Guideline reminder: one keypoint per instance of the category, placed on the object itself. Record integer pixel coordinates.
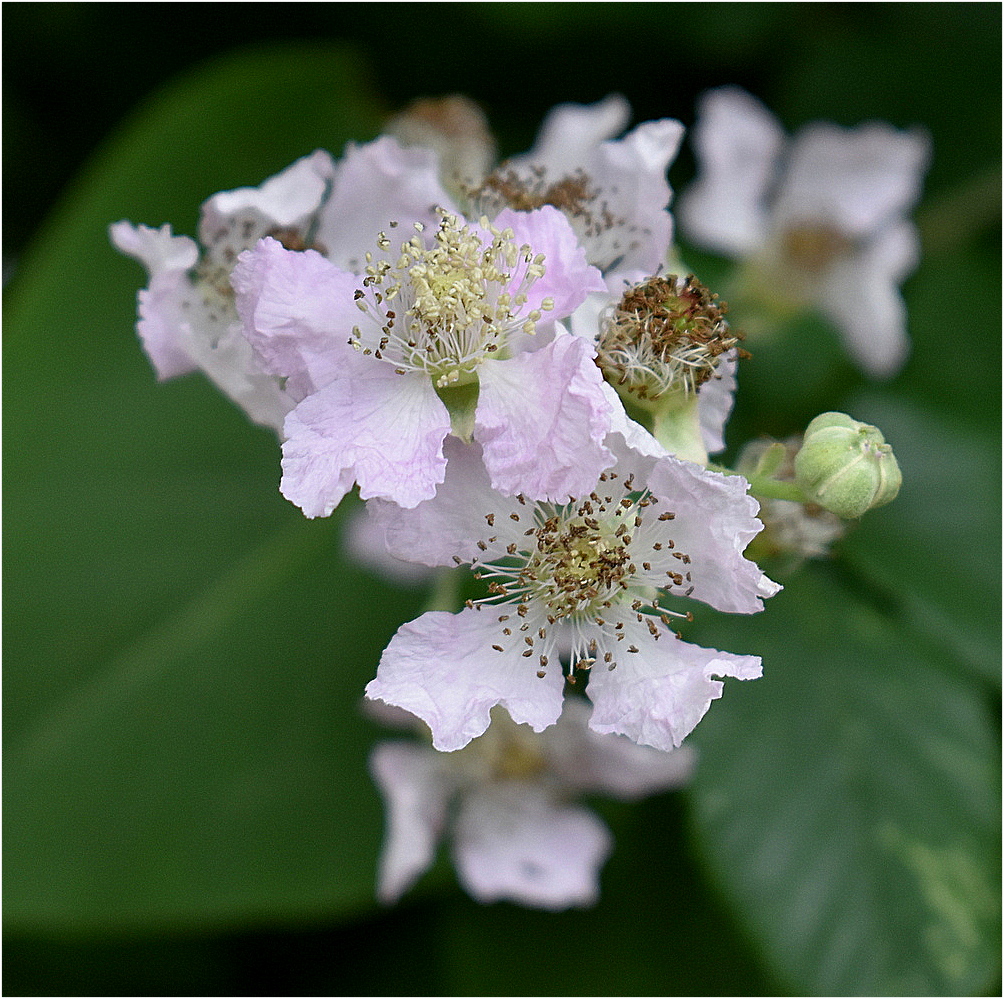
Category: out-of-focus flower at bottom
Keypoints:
(507, 804)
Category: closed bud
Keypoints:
(846, 466)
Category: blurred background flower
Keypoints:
(187, 804)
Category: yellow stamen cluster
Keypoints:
(446, 307)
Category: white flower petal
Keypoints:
(631, 173)
(738, 143)
(286, 200)
(165, 323)
(570, 133)
(568, 278)
(416, 790)
(513, 842)
(714, 522)
(453, 521)
(862, 297)
(715, 400)
(854, 179)
(442, 668)
(657, 695)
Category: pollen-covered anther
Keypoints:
(458, 298)
(666, 334)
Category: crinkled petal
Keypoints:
(591, 762)
(165, 323)
(570, 134)
(450, 524)
(542, 419)
(634, 435)
(286, 200)
(714, 522)
(862, 297)
(658, 695)
(856, 179)
(442, 668)
(631, 173)
(738, 144)
(379, 187)
(513, 841)
(298, 313)
(568, 276)
(375, 427)
(416, 791)
(715, 400)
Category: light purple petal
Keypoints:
(570, 134)
(464, 510)
(298, 313)
(373, 426)
(512, 841)
(738, 145)
(442, 668)
(714, 522)
(590, 762)
(168, 307)
(568, 277)
(856, 179)
(658, 695)
(379, 184)
(286, 200)
(542, 419)
(416, 791)
(861, 295)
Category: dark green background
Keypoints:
(187, 809)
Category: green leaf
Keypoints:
(848, 802)
(933, 550)
(185, 652)
(657, 929)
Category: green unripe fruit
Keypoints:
(845, 466)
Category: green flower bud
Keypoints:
(846, 466)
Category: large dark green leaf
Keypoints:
(185, 653)
(847, 802)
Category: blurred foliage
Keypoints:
(188, 809)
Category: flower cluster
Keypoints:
(510, 366)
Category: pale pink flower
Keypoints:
(820, 219)
(187, 320)
(592, 577)
(449, 333)
(507, 804)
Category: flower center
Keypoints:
(444, 308)
(813, 248)
(589, 566)
(665, 335)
